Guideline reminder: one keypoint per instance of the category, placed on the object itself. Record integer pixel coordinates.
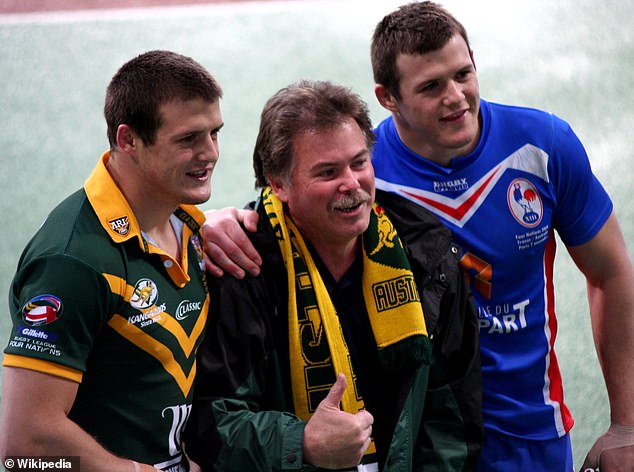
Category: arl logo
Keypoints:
(120, 225)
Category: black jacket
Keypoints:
(243, 364)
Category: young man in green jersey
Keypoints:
(109, 301)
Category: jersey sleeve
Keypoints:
(583, 205)
(57, 306)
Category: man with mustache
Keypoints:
(356, 345)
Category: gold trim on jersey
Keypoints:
(43, 366)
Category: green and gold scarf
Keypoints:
(318, 349)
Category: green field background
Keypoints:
(574, 58)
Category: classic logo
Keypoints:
(525, 203)
(120, 225)
(145, 294)
(185, 307)
(43, 309)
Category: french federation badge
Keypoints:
(525, 203)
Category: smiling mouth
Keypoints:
(348, 209)
(454, 116)
(199, 174)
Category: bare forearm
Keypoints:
(612, 309)
(56, 437)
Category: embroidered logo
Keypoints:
(120, 225)
(145, 294)
(43, 309)
(525, 203)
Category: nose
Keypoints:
(453, 93)
(349, 180)
(210, 148)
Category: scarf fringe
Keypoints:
(406, 355)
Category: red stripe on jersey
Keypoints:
(556, 391)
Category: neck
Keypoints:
(165, 237)
(151, 213)
(338, 258)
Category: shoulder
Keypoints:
(410, 219)
(522, 116)
(72, 236)
(249, 294)
(428, 241)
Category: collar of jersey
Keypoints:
(114, 212)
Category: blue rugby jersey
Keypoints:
(528, 177)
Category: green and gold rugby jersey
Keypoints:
(94, 302)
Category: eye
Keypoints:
(326, 173)
(429, 87)
(464, 74)
(360, 163)
(188, 138)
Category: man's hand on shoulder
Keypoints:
(227, 247)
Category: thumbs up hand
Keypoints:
(334, 439)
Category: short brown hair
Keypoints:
(415, 28)
(139, 88)
(303, 106)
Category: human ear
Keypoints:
(279, 189)
(385, 98)
(126, 139)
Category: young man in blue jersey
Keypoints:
(110, 299)
(473, 162)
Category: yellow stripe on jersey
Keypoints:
(157, 350)
(40, 365)
(154, 347)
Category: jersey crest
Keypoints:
(525, 203)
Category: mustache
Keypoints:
(360, 197)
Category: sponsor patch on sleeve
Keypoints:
(42, 310)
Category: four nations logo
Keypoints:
(43, 309)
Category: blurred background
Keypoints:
(574, 58)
